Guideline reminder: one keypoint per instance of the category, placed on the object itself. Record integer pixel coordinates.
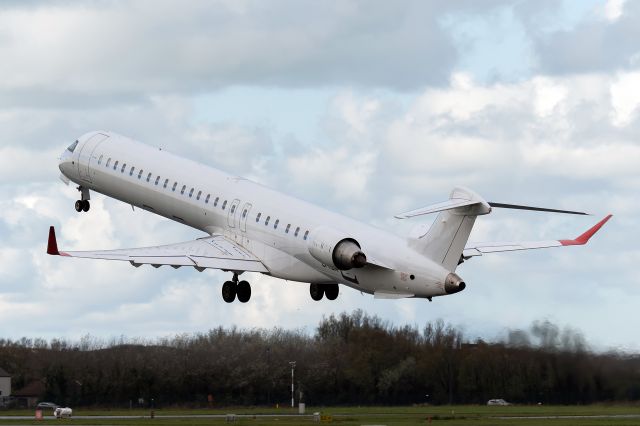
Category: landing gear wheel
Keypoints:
(79, 206)
(229, 291)
(331, 291)
(316, 291)
(85, 205)
(244, 291)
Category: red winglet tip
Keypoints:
(584, 238)
(52, 245)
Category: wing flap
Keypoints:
(215, 252)
(229, 264)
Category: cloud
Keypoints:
(603, 41)
(394, 125)
(71, 54)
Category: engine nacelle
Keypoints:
(335, 248)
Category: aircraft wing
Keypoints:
(216, 251)
(478, 249)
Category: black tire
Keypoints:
(229, 291)
(79, 206)
(316, 291)
(331, 291)
(244, 291)
(85, 205)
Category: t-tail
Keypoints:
(445, 241)
(446, 238)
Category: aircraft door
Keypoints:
(86, 155)
(233, 212)
(244, 215)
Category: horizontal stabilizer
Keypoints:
(452, 203)
(478, 249)
(535, 209)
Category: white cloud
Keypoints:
(613, 9)
(64, 50)
(625, 97)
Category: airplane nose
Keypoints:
(65, 157)
(65, 161)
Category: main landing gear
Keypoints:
(231, 289)
(329, 290)
(82, 205)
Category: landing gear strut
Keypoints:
(82, 205)
(329, 290)
(231, 289)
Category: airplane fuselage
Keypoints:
(276, 228)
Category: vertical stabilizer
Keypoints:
(446, 238)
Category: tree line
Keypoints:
(350, 359)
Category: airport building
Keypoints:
(5, 387)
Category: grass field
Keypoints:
(390, 416)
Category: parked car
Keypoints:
(50, 405)
(498, 402)
(63, 413)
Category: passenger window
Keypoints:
(108, 162)
(306, 234)
(206, 200)
(166, 182)
(215, 203)
(100, 160)
(175, 184)
(157, 180)
(124, 166)
(149, 177)
(258, 217)
(266, 222)
(244, 213)
(275, 225)
(199, 194)
(183, 188)
(286, 231)
(131, 171)
(224, 204)
(140, 173)
(191, 193)
(115, 165)
(295, 234)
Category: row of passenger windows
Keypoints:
(276, 223)
(206, 200)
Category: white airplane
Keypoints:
(251, 228)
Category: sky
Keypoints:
(368, 108)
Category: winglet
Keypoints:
(52, 245)
(584, 238)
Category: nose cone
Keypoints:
(65, 162)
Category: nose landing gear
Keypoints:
(82, 205)
(231, 289)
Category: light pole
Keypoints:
(293, 367)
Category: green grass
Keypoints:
(391, 416)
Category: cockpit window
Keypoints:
(72, 147)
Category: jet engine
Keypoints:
(334, 248)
